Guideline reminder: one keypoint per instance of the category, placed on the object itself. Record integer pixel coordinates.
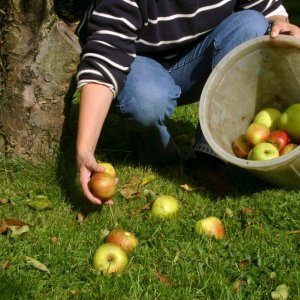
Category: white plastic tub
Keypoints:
(262, 72)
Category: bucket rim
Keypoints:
(245, 48)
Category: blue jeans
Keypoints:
(153, 91)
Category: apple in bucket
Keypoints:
(263, 151)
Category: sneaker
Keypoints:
(206, 171)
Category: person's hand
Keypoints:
(87, 165)
(283, 27)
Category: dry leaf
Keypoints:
(5, 223)
(293, 232)
(188, 187)
(40, 202)
(80, 217)
(3, 201)
(236, 286)
(244, 263)
(16, 231)
(129, 193)
(54, 239)
(163, 279)
(247, 210)
(281, 292)
(144, 208)
(148, 179)
(4, 264)
(38, 265)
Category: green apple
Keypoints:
(263, 151)
(269, 117)
(241, 147)
(164, 206)
(110, 258)
(256, 133)
(290, 122)
(210, 226)
(123, 238)
(108, 168)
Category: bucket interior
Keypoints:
(260, 73)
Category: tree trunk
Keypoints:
(38, 60)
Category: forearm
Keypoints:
(95, 102)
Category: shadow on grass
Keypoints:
(115, 147)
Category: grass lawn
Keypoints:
(260, 250)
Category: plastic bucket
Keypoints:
(260, 73)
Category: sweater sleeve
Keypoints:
(266, 7)
(107, 35)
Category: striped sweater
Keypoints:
(113, 32)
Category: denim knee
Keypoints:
(251, 24)
(149, 96)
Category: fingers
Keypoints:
(284, 28)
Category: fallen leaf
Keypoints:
(40, 202)
(129, 193)
(237, 285)
(5, 223)
(145, 207)
(54, 239)
(244, 263)
(189, 188)
(163, 279)
(36, 264)
(16, 231)
(247, 210)
(4, 264)
(3, 201)
(147, 179)
(281, 292)
(80, 217)
(293, 232)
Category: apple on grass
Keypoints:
(257, 133)
(210, 226)
(110, 258)
(164, 206)
(102, 185)
(268, 116)
(125, 239)
(290, 122)
(241, 147)
(288, 148)
(279, 138)
(263, 151)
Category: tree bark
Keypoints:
(38, 60)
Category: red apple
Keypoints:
(240, 146)
(102, 185)
(123, 238)
(279, 138)
(288, 148)
(110, 258)
(210, 226)
(257, 133)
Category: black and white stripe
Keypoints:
(112, 32)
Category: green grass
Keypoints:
(257, 248)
